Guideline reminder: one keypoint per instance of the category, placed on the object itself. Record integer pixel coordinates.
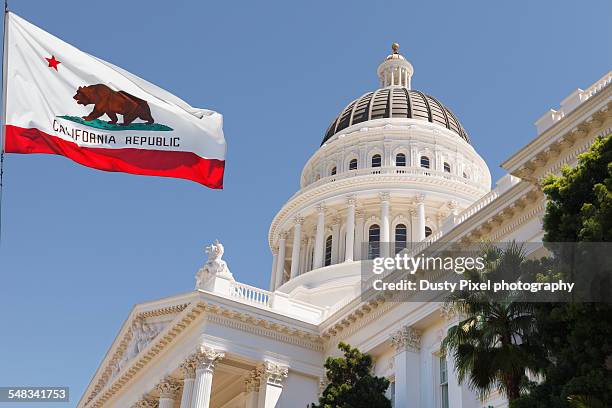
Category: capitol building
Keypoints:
(395, 165)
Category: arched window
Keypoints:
(400, 160)
(374, 241)
(447, 168)
(376, 160)
(353, 164)
(401, 237)
(425, 162)
(333, 171)
(328, 250)
(427, 231)
(465, 175)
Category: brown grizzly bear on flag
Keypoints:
(109, 102)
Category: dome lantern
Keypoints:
(395, 70)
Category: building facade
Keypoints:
(395, 165)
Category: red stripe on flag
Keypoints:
(185, 165)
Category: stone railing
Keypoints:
(598, 86)
(250, 294)
(394, 170)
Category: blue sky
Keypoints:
(80, 247)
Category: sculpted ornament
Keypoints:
(142, 334)
(168, 388)
(406, 338)
(207, 357)
(146, 402)
(189, 366)
(215, 267)
(273, 373)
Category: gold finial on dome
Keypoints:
(395, 48)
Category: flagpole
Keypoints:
(3, 119)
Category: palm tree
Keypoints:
(491, 344)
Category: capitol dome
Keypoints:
(395, 166)
(395, 102)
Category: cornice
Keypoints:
(582, 114)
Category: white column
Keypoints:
(360, 220)
(273, 273)
(459, 396)
(188, 367)
(413, 226)
(280, 261)
(168, 392)
(420, 224)
(385, 235)
(350, 229)
(319, 238)
(335, 240)
(252, 383)
(295, 251)
(272, 376)
(303, 255)
(206, 358)
(407, 343)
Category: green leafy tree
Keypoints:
(491, 345)
(351, 383)
(577, 336)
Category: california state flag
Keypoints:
(60, 100)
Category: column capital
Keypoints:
(450, 312)
(420, 198)
(207, 357)
(336, 220)
(304, 241)
(321, 208)
(252, 381)
(188, 366)
(452, 205)
(168, 388)
(146, 402)
(283, 235)
(407, 338)
(274, 250)
(360, 213)
(384, 196)
(351, 200)
(298, 220)
(273, 373)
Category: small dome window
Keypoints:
(425, 162)
(427, 231)
(328, 250)
(401, 237)
(447, 167)
(374, 241)
(376, 160)
(353, 164)
(333, 171)
(400, 160)
(465, 175)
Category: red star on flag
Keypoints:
(53, 63)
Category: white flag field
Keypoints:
(63, 101)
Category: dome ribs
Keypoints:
(395, 102)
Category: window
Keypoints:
(427, 231)
(376, 160)
(401, 235)
(400, 160)
(374, 241)
(333, 171)
(328, 250)
(353, 164)
(465, 175)
(443, 382)
(447, 168)
(425, 162)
